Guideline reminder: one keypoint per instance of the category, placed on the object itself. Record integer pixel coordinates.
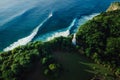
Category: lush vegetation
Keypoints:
(15, 64)
(99, 39)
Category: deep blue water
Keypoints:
(27, 20)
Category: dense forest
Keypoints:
(98, 39)
(15, 64)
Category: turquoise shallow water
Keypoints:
(19, 20)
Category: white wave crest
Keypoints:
(25, 40)
(74, 39)
(83, 19)
(72, 24)
(58, 34)
(64, 32)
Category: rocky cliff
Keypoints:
(114, 6)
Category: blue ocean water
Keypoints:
(31, 20)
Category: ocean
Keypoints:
(23, 21)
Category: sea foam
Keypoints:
(65, 32)
(51, 35)
(81, 21)
(62, 32)
(25, 40)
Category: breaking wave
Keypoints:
(63, 32)
(25, 40)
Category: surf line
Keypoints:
(63, 32)
(25, 40)
(81, 21)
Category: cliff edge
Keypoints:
(114, 6)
